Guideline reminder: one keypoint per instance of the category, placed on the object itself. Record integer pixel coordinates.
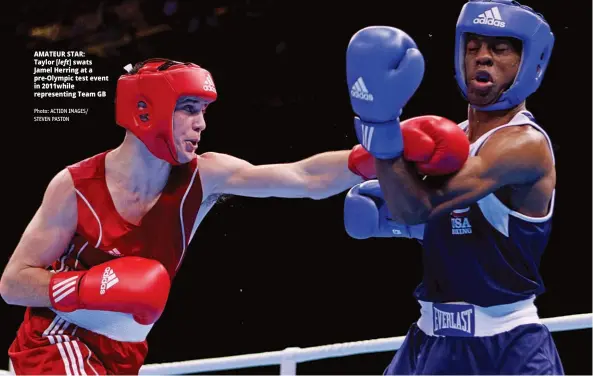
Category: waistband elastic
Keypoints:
(460, 319)
(115, 325)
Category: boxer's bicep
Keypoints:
(225, 174)
(50, 230)
(270, 180)
(473, 182)
(502, 161)
(25, 279)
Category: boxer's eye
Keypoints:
(191, 109)
(501, 47)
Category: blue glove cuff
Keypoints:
(382, 140)
(366, 215)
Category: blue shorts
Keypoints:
(525, 350)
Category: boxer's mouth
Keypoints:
(482, 82)
(192, 144)
(483, 76)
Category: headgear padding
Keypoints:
(146, 98)
(506, 18)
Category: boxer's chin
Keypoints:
(482, 97)
(185, 156)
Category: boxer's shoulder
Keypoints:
(88, 167)
(518, 151)
(520, 139)
(213, 159)
(216, 168)
(212, 164)
(62, 183)
(59, 199)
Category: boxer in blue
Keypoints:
(485, 227)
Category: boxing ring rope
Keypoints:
(291, 356)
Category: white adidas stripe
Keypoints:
(50, 327)
(65, 358)
(496, 13)
(68, 280)
(68, 349)
(61, 294)
(362, 85)
(367, 136)
(75, 364)
(79, 356)
(493, 13)
(359, 85)
(61, 290)
(112, 279)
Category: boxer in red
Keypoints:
(95, 264)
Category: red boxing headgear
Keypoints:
(146, 98)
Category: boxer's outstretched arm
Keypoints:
(24, 280)
(317, 177)
(514, 155)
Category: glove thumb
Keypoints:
(418, 146)
(370, 188)
(410, 71)
(360, 214)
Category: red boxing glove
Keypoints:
(362, 163)
(133, 285)
(437, 145)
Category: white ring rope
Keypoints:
(289, 357)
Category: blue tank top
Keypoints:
(485, 254)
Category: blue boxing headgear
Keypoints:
(507, 18)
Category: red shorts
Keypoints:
(47, 344)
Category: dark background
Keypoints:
(280, 74)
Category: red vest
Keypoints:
(102, 234)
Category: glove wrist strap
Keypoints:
(382, 140)
(63, 291)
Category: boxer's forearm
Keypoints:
(26, 287)
(406, 195)
(327, 174)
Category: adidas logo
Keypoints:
(64, 288)
(490, 17)
(115, 252)
(360, 91)
(367, 135)
(109, 279)
(209, 84)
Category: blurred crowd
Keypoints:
(112, 27)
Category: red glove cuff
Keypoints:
(63, 290)
(362, 163)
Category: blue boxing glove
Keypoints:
(384, 68)
(366, 215)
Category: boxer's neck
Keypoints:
(481, 122)
(132, 167)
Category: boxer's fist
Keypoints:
(133, 285)
(384, 68)
(366, 215)
(437, 145)
(362, 163)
